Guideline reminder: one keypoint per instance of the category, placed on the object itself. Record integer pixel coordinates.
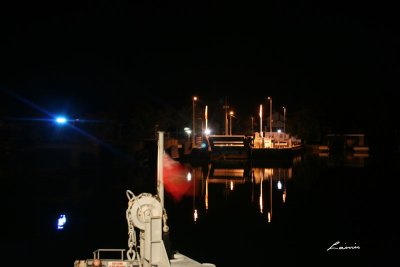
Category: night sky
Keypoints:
(338, 59)
(130, 66)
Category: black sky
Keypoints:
(338, 57)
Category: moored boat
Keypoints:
(228, 147)
(276, 145)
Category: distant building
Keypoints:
(347, 142)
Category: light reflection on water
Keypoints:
(266, 181)
(229, 176)
(264, 209)
(273, 209)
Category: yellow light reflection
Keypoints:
(261, 196)
(231, 185)
(269, 172)
(206, 196)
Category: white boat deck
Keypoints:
(182, 260)
(179, 260)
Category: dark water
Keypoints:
(243, 218)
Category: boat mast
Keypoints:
(270, 116)
(261, 132)
(160, 167)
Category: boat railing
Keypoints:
(96, 253)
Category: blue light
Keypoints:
(62, 219)
(61, 120)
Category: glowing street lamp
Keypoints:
(284, 119)
(261, 132)
(207, 131)
(230, 122)
(61, 120)
(206, 116)
(270, 115)
(193, 130)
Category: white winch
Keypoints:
(146, 213)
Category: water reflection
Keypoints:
(273, 178)
(348, 159)
(295, 198)
(262, 184)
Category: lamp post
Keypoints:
(270, 116)
(193, 130)
(206, 116)
(261, 132)
(284, 120)
(230, 122)
(225, 107)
